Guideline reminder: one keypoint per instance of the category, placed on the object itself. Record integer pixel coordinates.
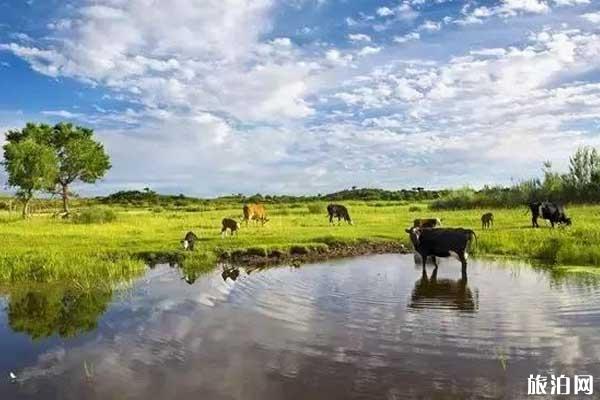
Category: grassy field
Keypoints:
(48, 249)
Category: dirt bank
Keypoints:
(303, 254)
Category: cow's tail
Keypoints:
(472, 238)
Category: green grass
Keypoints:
(46, 249)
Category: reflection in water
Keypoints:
(43, 312)
(431, 292)
(349, 329)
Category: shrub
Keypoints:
(316, 208)
(414, 209)
(95, 216)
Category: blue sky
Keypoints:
(211, 97)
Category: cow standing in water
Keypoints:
(555, 213)
(442, 242)
(338, 211)
(255, 212)
(487, 220)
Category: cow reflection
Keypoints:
(431, 292)
(231, 273)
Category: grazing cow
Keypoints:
(231, 273)
(231, 224)
(427, 222)
(442, 242)
(338, 211)
(188, 241)
(555, 213)
(487, 220)
(431, 292)
(255, 212)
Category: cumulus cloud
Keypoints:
(179, 54)
(217, 100)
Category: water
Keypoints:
(365, 328)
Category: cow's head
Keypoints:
(185, 244)
(567, 221)
(415, 235)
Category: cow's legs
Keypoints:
(435, 262)
(424, 259)
(463, 262)
(534, 222)
(552, 223)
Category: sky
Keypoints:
(213, 97)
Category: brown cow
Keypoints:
(427, 222)
(255, 212)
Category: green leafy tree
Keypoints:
(31, 167)
(78, 155)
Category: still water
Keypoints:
(366, 328)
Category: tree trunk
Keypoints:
(65, 199)
(26, 207)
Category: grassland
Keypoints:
(46, 249)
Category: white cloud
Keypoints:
(430, 26)
(407, 38)
(368, 50)
(592, 17)
(384, 11)
(154, 55)
(359, 37)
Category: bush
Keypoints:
(414, 209)
(95, 216)
(316, 208)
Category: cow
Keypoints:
(442, 242)
(427, 222)
(338, 211)
(553, 212)
(188, 241)
(255, 212)
(487, 220)
(231, 224)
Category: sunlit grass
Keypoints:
(48, 249)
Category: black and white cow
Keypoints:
(442, 242)
(555, 213)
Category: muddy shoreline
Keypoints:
(255, 257)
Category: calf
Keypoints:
(555, 213)
(188, 241)
(427, 222)
(487, 220)
(231, 224)
(338, 211)
(442, 242)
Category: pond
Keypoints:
(367, 328)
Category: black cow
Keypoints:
(553, 212)
(487, 220)
(338, 211)
(442, 242)
(188, 241)
(231, 224)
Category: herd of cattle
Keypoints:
(428, 237)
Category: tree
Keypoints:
(78, 155)
(584, 169)
(31, 167)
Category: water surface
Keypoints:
(364, 328)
